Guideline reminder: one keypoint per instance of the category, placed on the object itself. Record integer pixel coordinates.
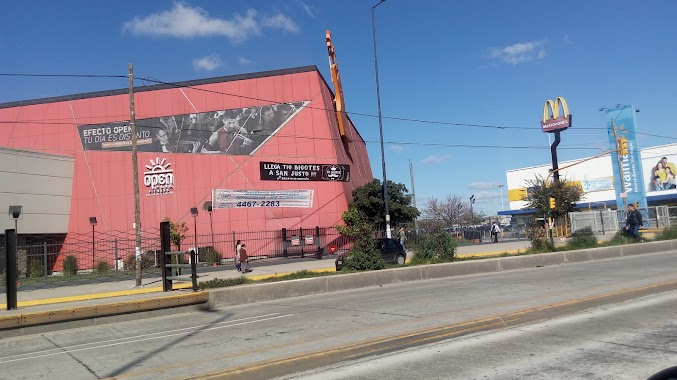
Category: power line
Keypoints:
(63, 75)
(395, 118)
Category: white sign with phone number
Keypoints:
(226, 198)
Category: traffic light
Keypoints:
(623, 146)
(552, 203)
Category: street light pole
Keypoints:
(380, 124)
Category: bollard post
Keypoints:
(193, 269)
(10, 254)
(165, 246)
(284, 242)
(318, 242)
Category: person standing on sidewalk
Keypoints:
(495, 230)
(632, 221)
(244, 259)
(238, 246)
(403, 237)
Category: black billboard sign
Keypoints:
(274, 171)
(239, 131)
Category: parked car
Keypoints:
(391, 252)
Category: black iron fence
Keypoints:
(114, 253)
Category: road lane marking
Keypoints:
(67, 350)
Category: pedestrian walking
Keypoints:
(633, 221)
(403, 237)
(238, 246)
(495, 230)
(244, 259)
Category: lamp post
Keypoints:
(92, 222)
(207, 206)
(16, 213)
(472, 216)
(380, 124)
(194, 213)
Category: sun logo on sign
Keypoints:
(159, 177)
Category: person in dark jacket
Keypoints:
(633, 221)
(244, 259)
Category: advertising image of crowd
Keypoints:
(663, 176)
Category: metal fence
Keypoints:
(111, 256)
(611, 221)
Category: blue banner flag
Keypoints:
(628, 181)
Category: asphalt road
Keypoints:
(281, 337)
(631, 340)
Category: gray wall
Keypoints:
(42, 183)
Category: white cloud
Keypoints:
(243, 61)
(567, 40)
(280, 21)
(396, 148)
(520, 52)
(435, 159)
(483, 185)
(487, 195)
(208, 63)
(306, 8)
(183, 21)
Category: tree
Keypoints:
(565, 192)
(449, 210)
(368, 202)
(177, 232)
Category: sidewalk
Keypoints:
(105, 292)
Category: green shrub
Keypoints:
(437, 245)
(364, 255)
(102, 267)
(211, 256)
(667, 234)
(70, 266)
(582, 239)
(147, 261)
(541, 245)
(35, 269)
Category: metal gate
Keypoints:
(599, 221)
(662, 216)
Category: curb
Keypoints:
(90, 313)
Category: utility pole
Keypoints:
(413, 193)
(135, 171)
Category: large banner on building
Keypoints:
(239, 131)
(226, 198)
(660, 169)
(275, 171)
(621, 124)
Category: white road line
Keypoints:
(65, 350)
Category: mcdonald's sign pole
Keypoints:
(553, 122)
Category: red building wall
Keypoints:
(102, 182)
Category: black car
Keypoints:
(391, 252)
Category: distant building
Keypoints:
(264, 147)
(596, 178)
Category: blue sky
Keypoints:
(484, 63)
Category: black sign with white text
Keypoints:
(274, 171)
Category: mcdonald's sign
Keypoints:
(555, 122)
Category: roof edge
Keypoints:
(194, 82)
